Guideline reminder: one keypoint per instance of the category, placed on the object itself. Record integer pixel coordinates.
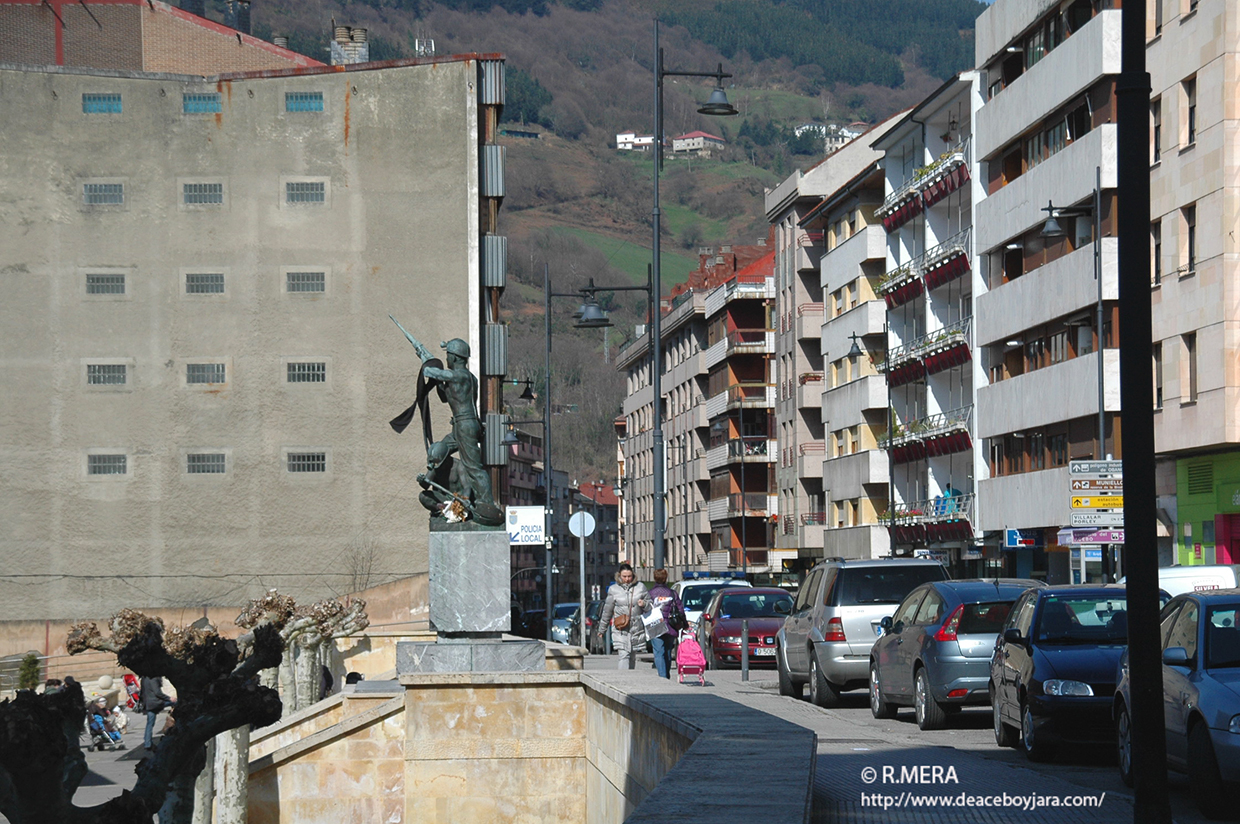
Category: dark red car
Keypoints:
(721, 625)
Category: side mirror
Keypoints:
(1013, 636)
(1175, 657)
(886, 623)
(707, 618)
(783, 607)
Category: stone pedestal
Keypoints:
(469, 609)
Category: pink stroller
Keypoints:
(689, 658)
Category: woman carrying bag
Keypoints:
(626, 600)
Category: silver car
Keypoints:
(826, 640)
(1201, 697)
(934, 653)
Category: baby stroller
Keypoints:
(99, 723)
(689, 658)
(133, 690)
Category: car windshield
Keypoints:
(696, 597)
(1083, 619)
(1223, 636)
(983, 619)
(753, 604)
(884, 584)
(565, 610)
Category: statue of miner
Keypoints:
(456, 486)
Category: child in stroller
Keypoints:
(104, 731)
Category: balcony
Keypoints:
(809, 321)
(748, 504)
(717, 456)
(945, 518)
(750, 449)
(809, 251)
(809, 459)
(902, 284)
(749, 394)
(809, 390)
(811, 530)
(927, 186)
(943, 433)
(750, 342)
(947, 261)
(939, 350)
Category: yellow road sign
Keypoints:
(1098, 502)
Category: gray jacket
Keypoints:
(622, 600)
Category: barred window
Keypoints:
(105, 284)
(307, 462)
(303, 101)
(101, 104)
(208, 103)
(306, 281)
(103, 194)
(106, 374)
(193, 194)
(207, 463)
(204, 373)
(204, 283)
(305, 192)
(307, 372)
(107, 464)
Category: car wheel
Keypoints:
(1035, 748)
(878, 707)
(787, 686)
(1123, 742)
(1005, 734)
(930, 715)
(1203, 777)
(821, 691)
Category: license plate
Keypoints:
(764, 651)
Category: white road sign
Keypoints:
(525, 525)
(1097, 517)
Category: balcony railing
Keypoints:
(751, 446)
(745, 503)
(943, 433)
(751, 340)
(813, 518)
(927, 186)
(747, 392)
(941, 508)
(812, 448)
(947, 261)
(939, 350)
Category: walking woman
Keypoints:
(627, 600)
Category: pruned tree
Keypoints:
(41, 762)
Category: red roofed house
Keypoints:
(699, 142)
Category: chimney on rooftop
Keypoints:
(349, 45)
(198, 7)
(280, 40)
(237, 15)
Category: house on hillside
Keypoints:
(699, 142)
(632, 142)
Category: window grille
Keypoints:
(105, 284)
(204, 373)
(202, 193)
(101, 104)
(106, 374)
(307, 462)
(107, 464)
(103, 194)
(210, 463)
(204, 283)
(303, 101)
(208, 103)
(307, 372)
(306, 281)
(305, 192)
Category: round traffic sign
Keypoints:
(581, 524)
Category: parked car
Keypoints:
(722, 619)
(1053, 673)
(698, 588)
(533, 624)
(562, 622)
(826, 640)
(596, 644)
(1200, 678)
(934, 652)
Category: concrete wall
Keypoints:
(397, 150)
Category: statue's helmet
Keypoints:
(457, 347)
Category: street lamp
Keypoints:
(717, 105)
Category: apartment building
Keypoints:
(827, 259)
(1045, 323)
(929, 288)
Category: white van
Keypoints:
(1180, 579)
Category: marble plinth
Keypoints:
(470, 656)
(469, 581)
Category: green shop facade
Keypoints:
(1208, 509)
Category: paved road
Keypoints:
(850, 739)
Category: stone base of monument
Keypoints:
(469, 609)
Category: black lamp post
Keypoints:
(717, 105)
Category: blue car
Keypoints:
(1053, 673)
(1201, 697)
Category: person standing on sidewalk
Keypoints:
(627, 600)
(664, 599)
(153, 700)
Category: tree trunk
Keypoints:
(232, 776)
(288, 686)
(270, 678)
(204, 788)
(307, 668)
(178, 805)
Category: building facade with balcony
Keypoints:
(1045, 134)
(929, 288)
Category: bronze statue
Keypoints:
(456, 486)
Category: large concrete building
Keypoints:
(198, 368)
